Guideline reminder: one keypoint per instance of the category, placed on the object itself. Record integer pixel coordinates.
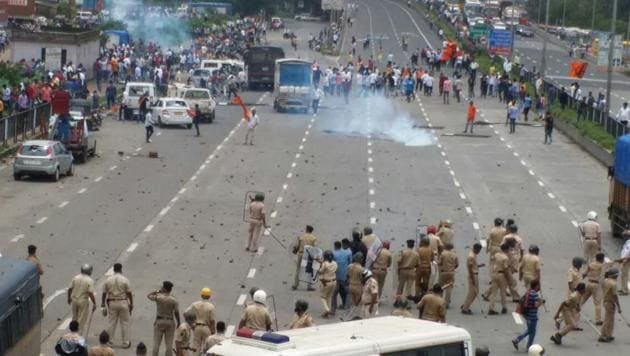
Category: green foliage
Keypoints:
(579, 13)
(10, 74)
(113, 25)
(256, 7)
(588, 129)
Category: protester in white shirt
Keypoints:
(251, 126)
(623, 115)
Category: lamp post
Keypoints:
(593, 15)
(543, 60)
(611, 48)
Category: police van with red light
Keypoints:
(386, 336)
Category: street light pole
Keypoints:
(593, 15)
(512, 35)
(564, 12)
(539, 10)
(543, 60)
(611, 48)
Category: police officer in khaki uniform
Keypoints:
(495, 238)
(407, 262)
(184, 335)
(529, 268)
(369, 237)
(166, 319)
(379, 268)
(355, 281)
(118, 300)
(432, 306)
(515, 255)
(473, 278)
(308, 239)
(80, 292)
(611, 301)
(369, 296)
(256, 315)
(445, 232)
(448, 263)
(423, 271)
(591, 235)
(434, 240)
(257, 220)
(592, 279)
(328, 280)
(500, 272)
(204, 312)
(570, 309)
(574, 274)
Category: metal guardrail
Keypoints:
(25, 125)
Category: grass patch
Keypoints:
(588, 129)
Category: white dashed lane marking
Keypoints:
(241, 299)
(148, 228)
(251, 273)
(98, 179)
(132, 247)
(42, 220)
(17, 238)
(63, 204)
(83, 190)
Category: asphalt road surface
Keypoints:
(180, 217)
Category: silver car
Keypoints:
(43, 157)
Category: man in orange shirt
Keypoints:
(470, 117)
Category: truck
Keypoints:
(293, 85)
(260, 65)
(619, 190)
(196, 96)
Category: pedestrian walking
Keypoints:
(570, 310)
(470, 117)
(117, 303)
(591, 235)
(515, 255)
(328, 280)
(548, 128)
(317, 94)
(355, 281)
(80, 293)
(204, 325)
(512, 116)
(527, 105)
(148, 126)
(307, 239)
(110, 94)
(343, 257)
(143, 102)
(257, 221)
(472, 267)
(529, 309)
(301, 318)
(256, 315)
(407, 262)
(432, 306)
(251, 126)
(611, 302)
(369, 297)
(446, 91)
(379, 269)
(624, 262)
(423, 268)
(448, 263)
(166, 318)
(500, 271)
(592, 279)
(103, 349)
(529, 267)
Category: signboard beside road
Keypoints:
(604, 46)
(479, 31)
(500, 42)
(332, 5)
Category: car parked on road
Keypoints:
(171, 111)
(524, 31)
(196, 96)
(43, 157)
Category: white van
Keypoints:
(133, 92)
(233, 66)
(388, 335)
(196, 96)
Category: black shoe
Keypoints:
(467, 311)
(556, 338)
(515, 344)
(310, 289)
(503, 311)
(485, 298)
(492, 312)
(294, 287)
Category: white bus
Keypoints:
(383, 336)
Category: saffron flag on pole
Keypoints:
(238, 101)
(577, 69)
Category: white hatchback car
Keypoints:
(171, 111)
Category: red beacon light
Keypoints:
(264, 336)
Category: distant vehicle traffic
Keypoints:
(524, 31)
(276, 23)
(306, 17)
(43, 157)
(260, 64)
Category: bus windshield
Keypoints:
(264, 54)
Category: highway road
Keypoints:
(179, 217)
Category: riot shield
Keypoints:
(310, 264)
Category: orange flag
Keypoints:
(238, 101)
(577, 69)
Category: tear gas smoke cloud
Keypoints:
(386, 122)
(151, 24)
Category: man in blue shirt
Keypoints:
(343, 257)
(512, 116)
(530, 313)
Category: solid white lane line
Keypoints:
(252, 273)
(42, 220)
(53, 296)
(241, 299)
(17, 238)
(113, 167)
(63, 204)
(98, 179)
(148, 228)
(82, 190)
(132, 247)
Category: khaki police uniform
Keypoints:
(368, 240)
(570, 310)
(256, 316)
(494, 243)
(116, 295)
(408, 261)
(355, 284)
(592, 280)
(448, 263)
(591, 233)
(529, 268)
(204, 322)
(304, 240)
(301, 321)
(379, 268)
(574, 277)
(423, 272)
(609, 296)
(256, 213)
(432, 307)
(82, 285)
(183, 338)
(446, 234)
(435, 243)
(100, 350)
(473, 280)
(164, 325)
(328, 280)
(370, 287)
(514, 258)
(499, 280)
